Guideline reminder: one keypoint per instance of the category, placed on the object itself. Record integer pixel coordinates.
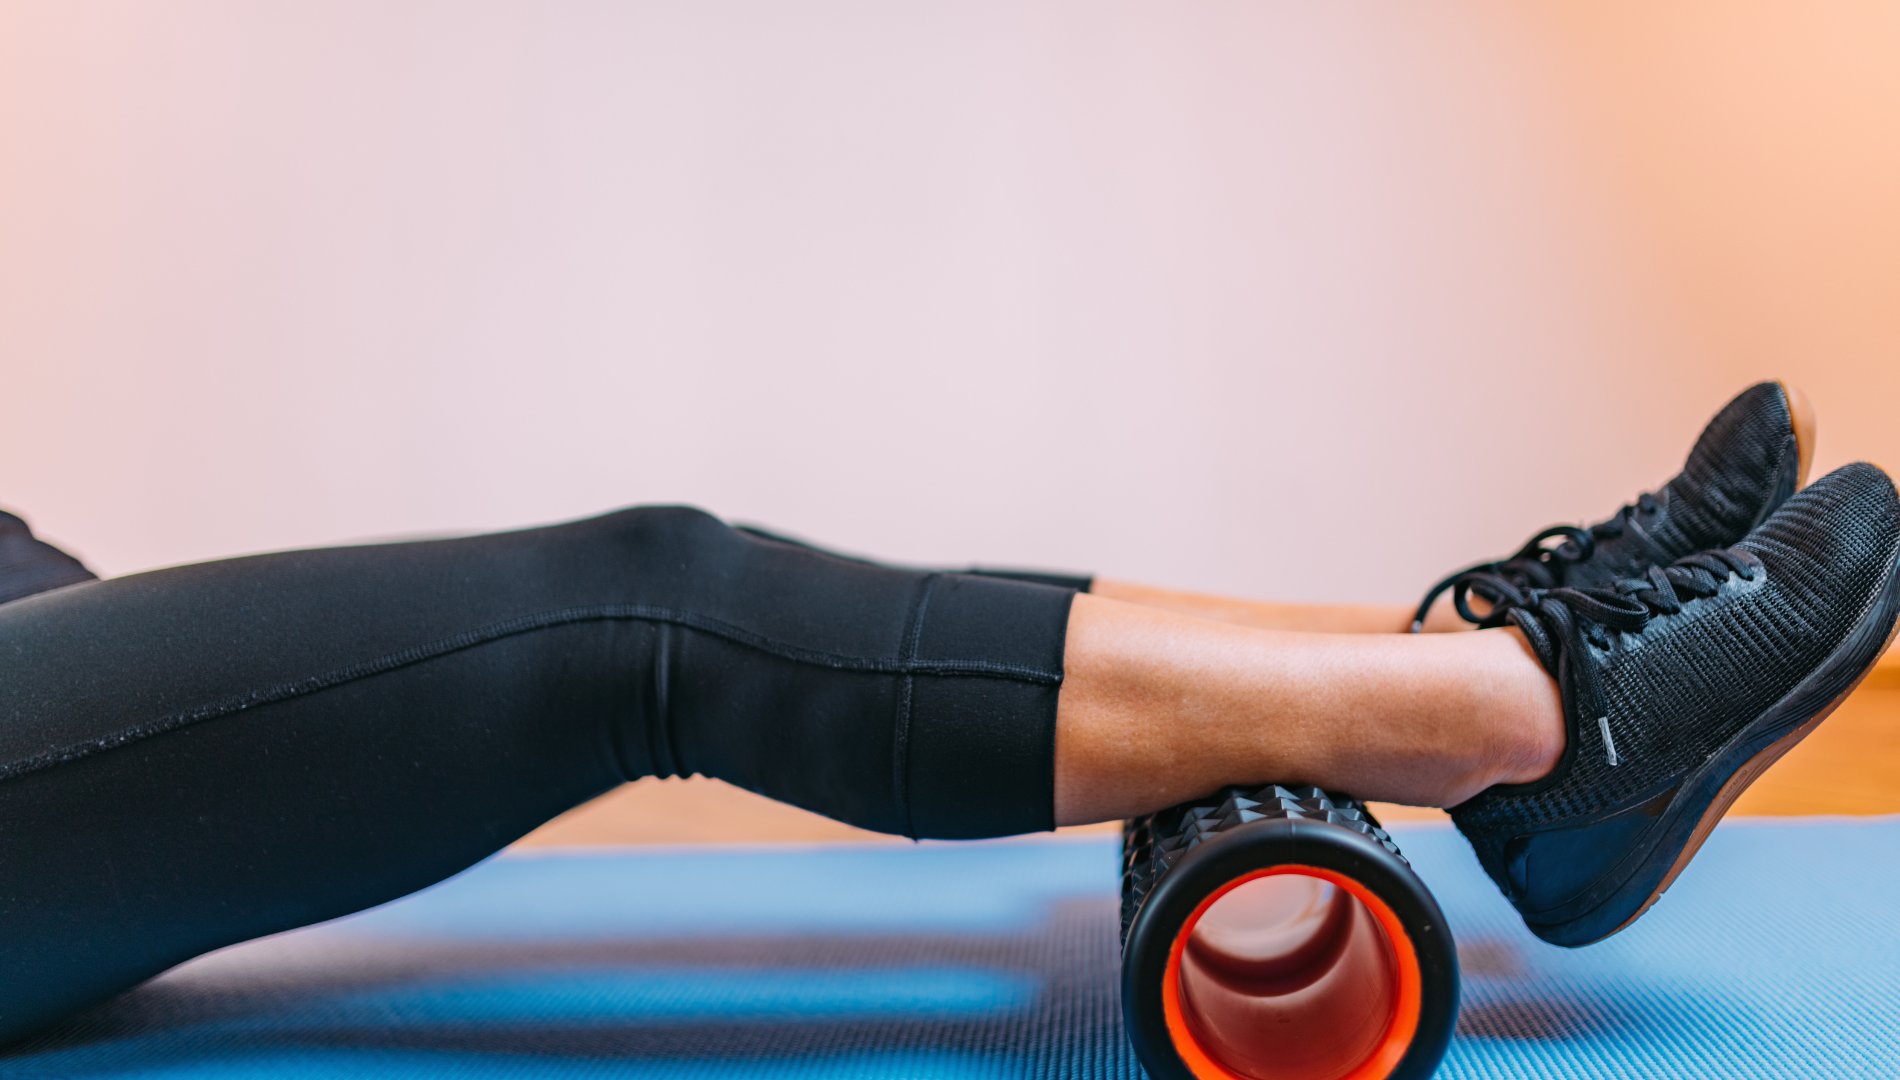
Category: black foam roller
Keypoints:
(1275, 933)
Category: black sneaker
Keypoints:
(1679, 688)
(30, 565)
(1749, 460)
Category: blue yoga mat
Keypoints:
(1776, 954)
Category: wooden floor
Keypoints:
(1850, 765)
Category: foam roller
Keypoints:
(1276, 933)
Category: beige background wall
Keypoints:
(1749, 153)
(1310, 301)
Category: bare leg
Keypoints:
(1262, 615)
(1157, 707)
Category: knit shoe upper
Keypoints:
(1747, 462)
(1679, 687)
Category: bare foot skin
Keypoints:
(1157, 707)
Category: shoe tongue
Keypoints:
(1742, 467)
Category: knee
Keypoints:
(679, 536)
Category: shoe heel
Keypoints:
(1277, 934)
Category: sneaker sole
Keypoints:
(1801, 418)
(1856, 655)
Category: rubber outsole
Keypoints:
(1801, 417)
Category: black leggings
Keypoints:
(202, 755)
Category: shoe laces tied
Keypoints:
(1507, 583)
(1559, 622)
(1504, 584)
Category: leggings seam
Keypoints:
(900, 737)
(287, 691)
(663, 760)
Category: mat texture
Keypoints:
(1777, 954)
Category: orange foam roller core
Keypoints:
(1290, 977)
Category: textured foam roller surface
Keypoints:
(1774, 955)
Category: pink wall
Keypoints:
(1299, 300)
(1751, 152)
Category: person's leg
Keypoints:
(210, 753)
(201, 755)
(1269, 615)
(1056, 578)
(1259, 614)
(1158, 707)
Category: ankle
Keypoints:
(1525, 714)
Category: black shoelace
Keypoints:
(1503, 584)
(1559, 622)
